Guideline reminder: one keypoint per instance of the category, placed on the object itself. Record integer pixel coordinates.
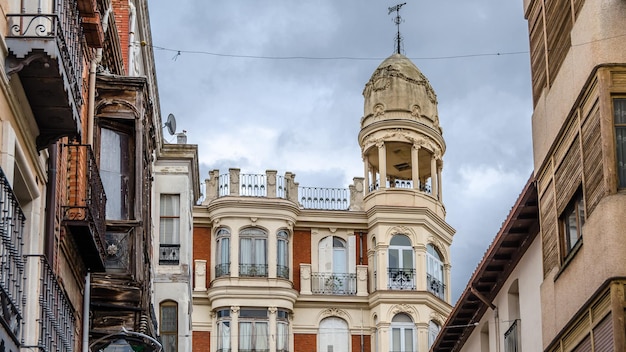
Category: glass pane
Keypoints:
(169, 230)
(245, 251)
(408, 340)
(620, 136)
(170, 205)
(407, 258)
(245, 336)
(261, 333)
(395, 339)
(571, 229)
(400, 240)
(224, 244)
(620, 110)
(394, 259)
(282, 341)
(282, 253)
(168, 318)
(169, 343)
(111, 172)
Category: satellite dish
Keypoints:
(171, 124)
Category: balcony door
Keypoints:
(116, 170)
(333, 265)
(401, 264)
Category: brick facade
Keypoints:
(301, 253)
(202, 246)
(356, 343)
(305, 342)
(201, 341)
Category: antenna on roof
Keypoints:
(397, 20)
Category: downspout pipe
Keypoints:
(86, 304)
(51, 195)
(131, 36)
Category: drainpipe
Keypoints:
(86, 303)
(131, 35)
(51, 195)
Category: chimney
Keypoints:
(181, 138)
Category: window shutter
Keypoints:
(603, 335)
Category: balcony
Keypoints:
(12, 293)
(401, 279)
(46, 51)
(333, 283)
(169, 254)
(252, 270)
(435, 286)
(282, 271)
(56, 324)
(222, 270)
(511, 338)
(84, 209)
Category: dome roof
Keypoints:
(403, 65)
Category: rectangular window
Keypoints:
(223, 330)
(253, 330)
(116, 169)
(169, 229)
(169, 326)
(252, 253)
(572, 220)
(619, 112)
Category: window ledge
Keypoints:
(569, 257)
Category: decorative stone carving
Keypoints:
(402, 308)
(272, 310)
(305, 272)
(416, 111)
(329, 312)
(379, 110)
(438, 318)
(234, 309)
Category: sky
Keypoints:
(277, 85)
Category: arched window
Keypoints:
(223, 330)
(333, 335)
(434, 272)
(222, 267)
(403, 337)
(401, 264)
(253, 253)
(282, 261)
(332, 276)
(168, 327)
(433, 331)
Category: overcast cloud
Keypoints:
(303, 115)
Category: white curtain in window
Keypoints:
(223, 335)
(111, 171)
(282, 336)
(260, 251)
(245, 336)
(245, 250)
(170, 219)
(282, 253)
(261, 333)
(224, 253)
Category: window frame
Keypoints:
(171, 333)
(222, 248)
(619, 124)
(575, 208)
(223, 320)
(403, 327)
(435, 271)
(169, 251)
(250, 316)
(257, 266)
(282, 254)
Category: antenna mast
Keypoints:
(397, 20)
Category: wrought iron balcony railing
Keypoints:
(435, 286)
(324, 198)
(512, 338)
(333, 283)
(222, 270)
(56, 322)
(12, 266)
(401, 279)
(85, 209)
(253, 270)
(169, 254)
(282, 271)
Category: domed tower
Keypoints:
(409, 254)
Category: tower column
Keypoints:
(439, 189)
(434, 189)
(366, 165)
(415, 166)
(272, 328)
(382, 164)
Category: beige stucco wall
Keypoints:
(597, 38)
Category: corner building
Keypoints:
(283, 267)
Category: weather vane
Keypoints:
(397, 20)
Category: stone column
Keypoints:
(233, 181)
(446, 278)
(199, 275)
(415, 166)
(420, 268)
(305, 279)
(366, 165)
(273, 329)
(439, 168)
(433, 176)
(234, 328)
(382, 164)
(270, 180)
(361, 280)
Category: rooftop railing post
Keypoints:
(356, 193)
(292, 187)
(234, 181)
(271, 183)
(212, 186)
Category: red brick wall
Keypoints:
(202, 247)
(356, 343)
(201, 341)
(301, 254)
(305, 342)
(122, 20)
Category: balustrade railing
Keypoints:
(324, 198)
(58, 21)
(12, 265)
(222, 270)
(401, 279)
(333, 283)
(57, 324)
(405, 184)
(253, 270)
(169, 254)
(435, 286)
(282, 271)
(253, 185)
